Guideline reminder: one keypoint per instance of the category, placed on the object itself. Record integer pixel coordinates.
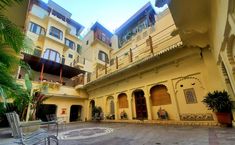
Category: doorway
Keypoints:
(92, 106)
(44, 110)
(75, 113)
(140, 105)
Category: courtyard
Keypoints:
(138, 134)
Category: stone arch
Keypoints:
(185, 78)
(122, 100)
(189, 93)
(140, 104)
(159, 95)
(110, 107)
(122, 104)
(91, 106)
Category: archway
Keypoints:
(75, 113)
(109, 105)
(91, 106)
(140, 104)
(122, 105)
(160, 99)
(44, 110)
(110, 108)
(159, 95)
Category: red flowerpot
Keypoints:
(224, 118)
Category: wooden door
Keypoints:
(141, 108)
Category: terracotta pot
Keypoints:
(224, 118)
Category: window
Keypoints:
(79, 48)
(51, 55)
(122, 100)
(56, 33)
(103, 37)
(35, 28)
(70, 43)
(103, 57)
(190, 96)
(70, 56)
(159, 95)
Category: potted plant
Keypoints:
(97, 113)
(220, 103)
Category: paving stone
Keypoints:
(143, 134)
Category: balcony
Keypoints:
(79, 62)
(54, 89)
(104, 40)
(58, 19)
(154, 45)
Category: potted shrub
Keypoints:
(220, 103)
(97, 113)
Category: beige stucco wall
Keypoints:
(66, 103)
(219, 10)
(191, 69)
(51, 42)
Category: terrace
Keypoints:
(150, 45)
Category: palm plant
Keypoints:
(11, 44)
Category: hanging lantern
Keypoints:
(161, 3)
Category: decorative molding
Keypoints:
(196, 117)
(110, 98)
(188, 77)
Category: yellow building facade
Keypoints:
(149, 69)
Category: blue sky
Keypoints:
(110, 13)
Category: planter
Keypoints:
(224, 118)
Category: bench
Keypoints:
(32, 138)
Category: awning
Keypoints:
(51, 67)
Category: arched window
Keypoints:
(51, 55)
(122, 100)
(103, 56)
(56, 32)
(159, 95)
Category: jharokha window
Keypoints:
(56, 33)
(159, 95)
(103, 56)
(122, 100)
(51, 55)
(37, 29)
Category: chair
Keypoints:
(58, 120)
(35, 137)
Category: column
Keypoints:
(147, 98)
(129, 98)
(116, 107)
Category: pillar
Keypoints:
(147, 98)
(116, 107)
(129, 98)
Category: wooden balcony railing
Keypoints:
(155, 44)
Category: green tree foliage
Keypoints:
(11, 44)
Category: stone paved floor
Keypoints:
(148, 134)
